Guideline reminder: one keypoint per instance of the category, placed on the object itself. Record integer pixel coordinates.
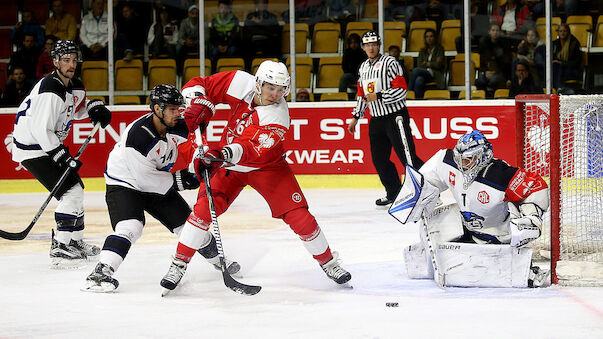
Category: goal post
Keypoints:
(561, 139)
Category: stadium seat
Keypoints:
(358, 27)
(475, 58)
(5, 43)
(8, 13)
(230, 64)
(162, 71)
(191, 69)
(393, 33)
(541, 27)
(457, 72)
(501, 93)
(436, 94)
(337, 96)
(311, 95)
(255, 63)
(599, 33)
(3, 74)
(101, 98)
(410, 95)
(580, 27)
(409, 63)
(211, 10)
(41, 10)
(476, 94)
(240, 8)
(128, 75)
(371, 8)
(126, 100)
(303, 72)
(416, 34)
(326, 37)
(329, 72)
(451, 29)
(95, 75)
(302, 34)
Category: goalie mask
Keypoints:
(274, 73)
(164, 95)
(472, 153)
(63, 47)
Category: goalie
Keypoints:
(480, 240)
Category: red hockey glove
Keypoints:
(198, 113)
(213, 161)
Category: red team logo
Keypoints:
(452, 178)
(370, 87)
(483, 197)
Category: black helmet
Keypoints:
(371, 36)
(164, 95)
(63, 47)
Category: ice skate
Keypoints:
(90, 251)
(539, 277)
(383, 202)
(63, 256)
(173, 276)
(335, 272)
(100, 280)
(210, 253)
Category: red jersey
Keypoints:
(254, 133)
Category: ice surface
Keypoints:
(297, 300)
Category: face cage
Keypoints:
(478, 158)
(258, 89)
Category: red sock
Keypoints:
(325, 257)
(184, 252)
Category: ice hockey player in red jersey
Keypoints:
(480, 238)
(253, 142)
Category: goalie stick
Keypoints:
(21, 235)
(440, 278)
(228, 279)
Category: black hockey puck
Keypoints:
(391, 304)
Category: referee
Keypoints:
(382, 89)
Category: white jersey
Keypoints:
(483, 206)
(142, 159)
(45, 116)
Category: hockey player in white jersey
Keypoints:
(43, 121)
(480, 240)
(144, 172)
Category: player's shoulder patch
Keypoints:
(142, 135)
(497, 174)
(449, 159)
(180, 129)
(275, 114)
(241, 85)
(53, 84)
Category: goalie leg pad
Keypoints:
(476, 265)
(417, 196)
(418, 263)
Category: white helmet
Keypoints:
(272, 72)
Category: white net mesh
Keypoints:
(581, 165)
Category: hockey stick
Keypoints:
(440, 278)
(228, 279)
(21, 235)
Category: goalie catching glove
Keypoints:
(525, 224)
(185, 180)
(198, 113)
(98, 112)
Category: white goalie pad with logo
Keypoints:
(415, 197)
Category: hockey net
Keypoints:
(562, 140)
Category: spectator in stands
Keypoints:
(341, 10)
(399, 10)
(431, 65)
(560, 8)
(94, 32)
(567, 57)
(27, 56)
(479, 28)
(523, 82)
(514, 20)
(261, 31)
(302, 95)
(308, 11)
(353, 56)
(188, 36)
(45, 64)
(17, 88)
(428, 10)
(395, 52)
(130, 34)
(163, 36)
(28, 24)
(224, 32)
(527, 49)
(495, 62)
(61, 24)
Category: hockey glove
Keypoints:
(214, 161)
(63, 159)
(525, 224)
(185, 180)
(198, 113)
(98, 112)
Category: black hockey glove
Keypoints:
(61, 157)
(98, 112)
(185, 180)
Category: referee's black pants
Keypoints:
(384, 134)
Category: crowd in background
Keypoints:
(512, 55)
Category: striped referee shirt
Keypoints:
(383, 76)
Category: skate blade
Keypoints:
(104, 287)
(346, 286)
(165, 292)
(93, 258)
(67, 264)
